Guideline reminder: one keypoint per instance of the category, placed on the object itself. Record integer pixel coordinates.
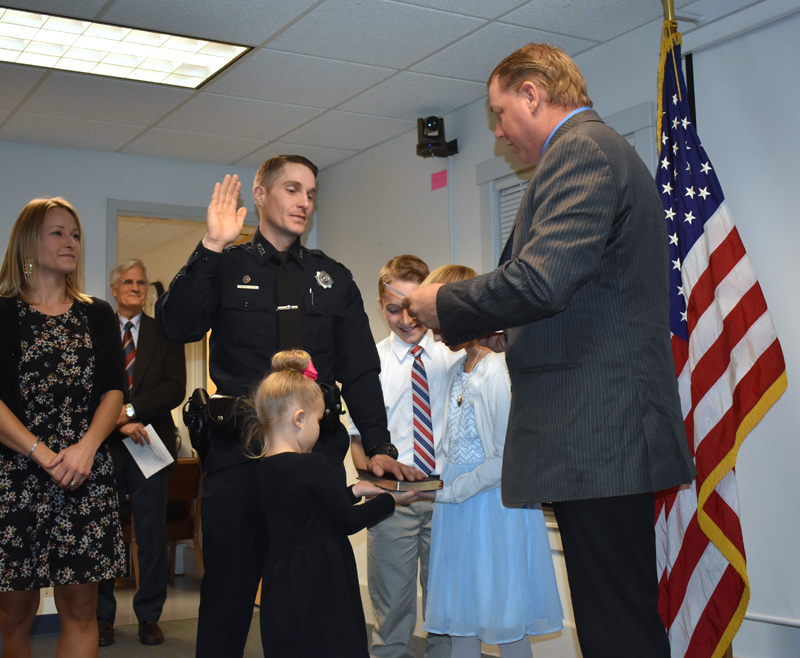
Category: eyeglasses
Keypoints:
(129, 283)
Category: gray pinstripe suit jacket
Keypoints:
(582, 290)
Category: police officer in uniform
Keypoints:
(234, 291)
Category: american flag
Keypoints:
(730, 371)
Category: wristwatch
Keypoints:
(387, 449)
(129, 412)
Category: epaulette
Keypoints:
(322, 254)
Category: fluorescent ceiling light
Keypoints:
(110, 50)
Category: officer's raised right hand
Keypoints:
(223, 221)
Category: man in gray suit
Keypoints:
(582, 293)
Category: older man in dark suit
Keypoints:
(582, 294)
(156, 372)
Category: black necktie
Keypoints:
(290, 328)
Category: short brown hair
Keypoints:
(272, 168)
(402, 268)
(450, 274)
(23, 251)
(549, 68)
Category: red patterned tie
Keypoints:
(424, 458)
(129, 351)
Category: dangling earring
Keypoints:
(27, 269)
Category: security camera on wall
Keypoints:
(431, 142)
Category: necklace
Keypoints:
(460, 399)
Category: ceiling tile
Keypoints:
(103, 99)
(157, 233)
(479, 8)
(474, 57)
(319, 155)
(76, 9)
(16, 81)
(68, 133)
(126, 227)
(271, 75)
(413, 95)
(599, 21)
(182, 145)
(711, 9)
(345, 130)
(247, 22)
(373, 32)
(212, 114)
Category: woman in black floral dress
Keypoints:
(61, 381)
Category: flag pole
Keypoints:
(669, 36)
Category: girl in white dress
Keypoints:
(491, 575)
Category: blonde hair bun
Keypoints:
(297, 360)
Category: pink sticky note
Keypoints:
(439, 179)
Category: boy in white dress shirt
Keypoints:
(396, 545)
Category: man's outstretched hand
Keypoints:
(421, 305)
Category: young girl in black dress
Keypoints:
(310, 598)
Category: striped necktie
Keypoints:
(424, 458)
(129, 352)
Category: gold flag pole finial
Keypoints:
(670, 36)
(669, 10)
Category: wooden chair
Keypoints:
(129, 537)
(183, 515)
(183, 509)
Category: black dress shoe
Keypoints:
(150, 633)
(106, 630)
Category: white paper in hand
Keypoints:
(149, 458)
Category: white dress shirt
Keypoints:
(396, 361)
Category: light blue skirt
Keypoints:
(491, 572)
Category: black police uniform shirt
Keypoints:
(233, 293)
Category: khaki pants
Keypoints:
(395, 547)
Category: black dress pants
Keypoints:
(610, 553)
(148, 504)
(235, 543)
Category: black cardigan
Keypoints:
(104, 329)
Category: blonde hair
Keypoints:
(549, 68)
(402, 268)
(23, 252)
(450, 274)
(277, 394)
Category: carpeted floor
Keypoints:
(179, 642)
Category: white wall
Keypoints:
(748, 93)
(88, 179)
(747, 97)
(381, 203)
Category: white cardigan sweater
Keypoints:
(489, 391)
